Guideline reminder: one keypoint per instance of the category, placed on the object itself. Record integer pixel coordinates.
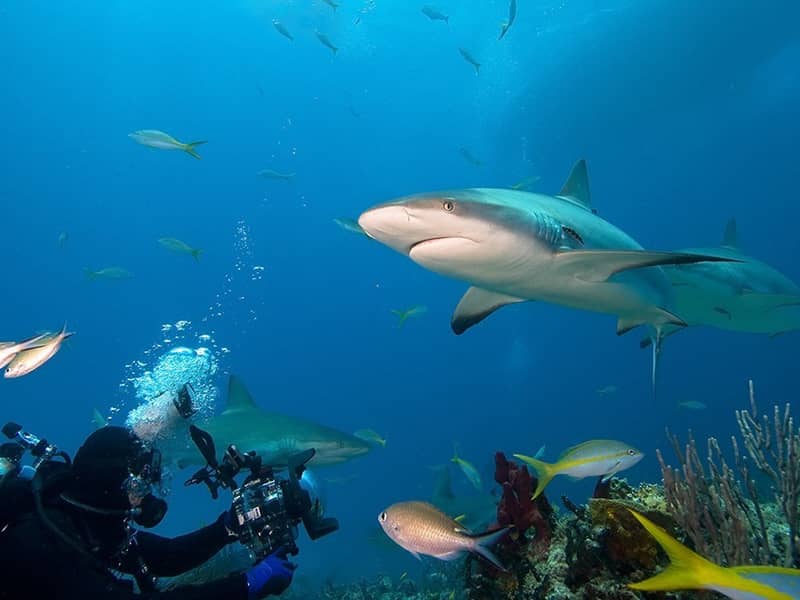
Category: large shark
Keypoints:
(514, 246)
(274, 436)
(747, 295)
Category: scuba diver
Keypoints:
(67, 530)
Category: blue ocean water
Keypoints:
(686, 112)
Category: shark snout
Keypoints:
(396, 225)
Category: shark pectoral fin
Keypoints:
(476, 305)
(596, 266)
(576, 187)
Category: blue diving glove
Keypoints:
(271, 576)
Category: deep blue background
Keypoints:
(687, 113)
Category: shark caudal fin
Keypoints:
(576, 187)
(477, 304)
(544, 472)
(190, 148)
(686, 571)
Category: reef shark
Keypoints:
(747, 295)
(514, 246)
(275, 437)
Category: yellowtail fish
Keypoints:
(371, 436)
(403, 315)
(469, 157)
(467, 468)
(590, 459)
(326, 42)
(181, 247)
(158, 139)
(332, 4)
(28, 361)
(690, 571)
(421, 528)
(98, 419)
(62, 239)
(270, 174)
(282, 29)
(8, 350)
(512, 14)
(434, 14)
(527, 183)
(471, 60)
(107, 273)
(350, 225)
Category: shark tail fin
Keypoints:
(544, 472)
(686, 570)
(190, 148)
(730, 238)
(576, 186)
(482, 541)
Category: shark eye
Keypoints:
(382, 517)
(448, 205)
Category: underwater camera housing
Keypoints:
(22, 441)
(268, 508)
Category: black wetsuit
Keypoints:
(35, 562)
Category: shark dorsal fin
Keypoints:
(239, 399)
(576, 187)
(730, 239)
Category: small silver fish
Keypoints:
(326, 42)
(164, 141)
(29, 360)
(107, 273)
(470, 59)
(421, 528)
(434, 15)
(350, 225)
(62, 239)
(371, 436)
(270, 174)
(282, 29)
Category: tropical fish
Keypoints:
(332, 4)
(158, 139)
(350, 225)
(468, 156)
(403, 315)
(181, 247)
(526, 183)
(690, 571)
(371, 436)
(470, 59)
(692, 405)
(518, 246)
(434, 14)
(98, 419)
(282, 29)
(421, 528)
(62, 239)
(31, 359)
(270, 174)
(512, 14)
(594, 458)
(273, 436)
(107, 273)
(326, 42)
(468, 469)
(8, 350)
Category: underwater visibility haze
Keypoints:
(285, 203)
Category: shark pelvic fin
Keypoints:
(730, 239)
(239, 399)
(476, 305)
(576, 187)
(598, 265)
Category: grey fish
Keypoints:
(516, 246)
(180, 247)
(31, 359)
(692, 405)
(158, 139)
(421, 528)
(271, 174)
(274, 436)
(282, 29)
(326, 42)
(512, 14)
(434, 15)
(470, 59)
(107, 273)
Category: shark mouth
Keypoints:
(433, 241)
